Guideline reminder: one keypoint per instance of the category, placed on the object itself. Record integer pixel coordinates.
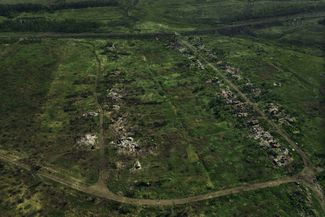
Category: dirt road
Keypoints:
(98, 190)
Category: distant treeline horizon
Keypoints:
(8, 9)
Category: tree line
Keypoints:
(44, 25)
(280, 11)
(8, 9)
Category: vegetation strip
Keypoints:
(75, 29)
(6, 10)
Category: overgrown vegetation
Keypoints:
(11, 9)
(26, 71)
(149, 118)
(43, 25)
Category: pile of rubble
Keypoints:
(127, 145)
(241, 109)
(280, 156)
(173, 44)
(124, 141)
(280, 115)
(194, 62)
(249, 88)
(90, 114)
(215, 81)
(136, 166)
(88, 142)
(115, 94)
(233, 72)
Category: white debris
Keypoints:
(115, 93)
(220, 62)
(137, 165)
(89, 141)
(273, 109)
(116, 107)
(127, 145)
(277, 84)
(90, 114)
(200, 65)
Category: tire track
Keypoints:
(98, 191)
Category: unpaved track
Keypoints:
(102, 175)
(98, 191)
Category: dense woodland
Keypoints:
(43, 25)
(8, 10)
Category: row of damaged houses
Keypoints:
(279, 155)
(279, 114)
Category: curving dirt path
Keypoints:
(98, 190)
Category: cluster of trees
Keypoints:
(7, 10)
(43, 25)
(253, 12)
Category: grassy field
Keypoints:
(146, 118)
(26, 72)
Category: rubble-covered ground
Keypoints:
(169, 127)
(169, 119)
(152, 116)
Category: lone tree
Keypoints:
(128, 5)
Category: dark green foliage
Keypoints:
(280, 10)
(26, 73)
(6, 10)
(190, 140)
(43, 25)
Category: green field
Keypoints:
(162, 108)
